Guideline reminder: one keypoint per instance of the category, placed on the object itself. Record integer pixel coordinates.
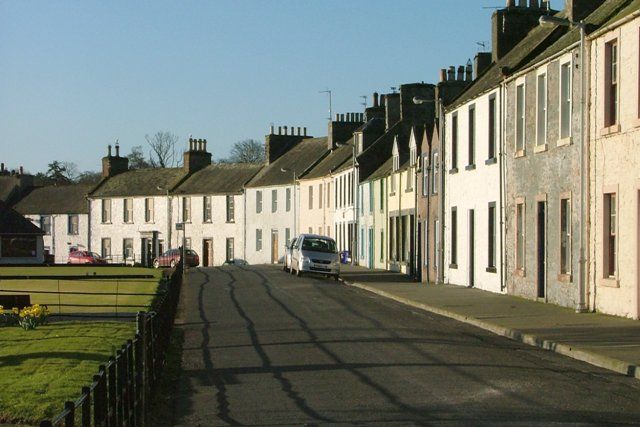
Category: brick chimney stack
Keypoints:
(511, 24)
(114, 165)
(197, 157)
(341, 129)
(277, 144)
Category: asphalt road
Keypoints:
(262, 347)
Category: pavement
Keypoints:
(605, 341)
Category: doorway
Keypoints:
(207, 253)
(274, 247)
(472, 255)
(372, 251)
(436, 252)
(419, 260)
(541, 253)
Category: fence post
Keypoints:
(130, 383)
(142, 365)
(119, 384)
(86, 406)
(124, 392)
(112, 404)
(100, 397)
(70, 417)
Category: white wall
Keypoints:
(59, 241)
(268, 221)
(472, 189)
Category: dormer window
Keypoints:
(357, 138)
(396, 155)
(413, 149)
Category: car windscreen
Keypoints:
(318, 244)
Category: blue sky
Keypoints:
(76, 75)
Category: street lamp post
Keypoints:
(552, 21)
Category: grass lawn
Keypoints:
(42, 368)
(112, 300)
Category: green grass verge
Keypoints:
(40, 369)
(84, 303)
(77, 271)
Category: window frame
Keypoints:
(127, 210)
(565, 263)
(454, 142)
(73, 228)
(471, 137)
(562, 138)
(520, 117)
(491, 128)
(542, 113)
(230, 208)
(207, 209)
(106, 211)
(274, 200)
(453, 262)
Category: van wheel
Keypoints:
(156, 263)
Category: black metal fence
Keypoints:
(120, 392)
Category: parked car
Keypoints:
(85, 257)
(312, 253)
(172, 257)
(286, 264)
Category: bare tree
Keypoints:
(246, 151)
(163, 149)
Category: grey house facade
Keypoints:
(543, 190)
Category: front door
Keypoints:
(207, 252)
(541, 249)
(274, 247)
(472, 255)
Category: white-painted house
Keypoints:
(272, 200)
(472, 182)
(62, 213)
(212, 209)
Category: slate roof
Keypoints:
(334, 162)
(140, 182)
(219, 179)
(378, 153)
(12, 223)
(538, 39)
(63, 199)
(299, 159)
(610, 11)
(8, 186)
(385, 169)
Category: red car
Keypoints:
(171, 257)
(85, 257)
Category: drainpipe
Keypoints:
(582, 304)
(443, 145)
(503, 180)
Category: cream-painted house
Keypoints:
(614, 118)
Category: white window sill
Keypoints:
(519, 153)
(540, 148)
(564, 141)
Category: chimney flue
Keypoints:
(279, 130)
(204, 145)
(468, 71)
(271, 130)
(286, 130)
(375, 99)
(305, 131)
(109, 150)
(117, 149)
(451, 75)
(1, 167)
(461, 73)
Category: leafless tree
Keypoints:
(246, 151)
(163, 149)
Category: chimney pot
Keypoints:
(286, 130)
(337, 117)
(305, 131)
(109, 150)
(468, 71)
(451, 75)
(461, 73)
(375, 99)
(271, 130)
(117, 149)
(279, 130)
(1, 167)
(443, 75)
(299, 131)
(21, 170)
(204, 145)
